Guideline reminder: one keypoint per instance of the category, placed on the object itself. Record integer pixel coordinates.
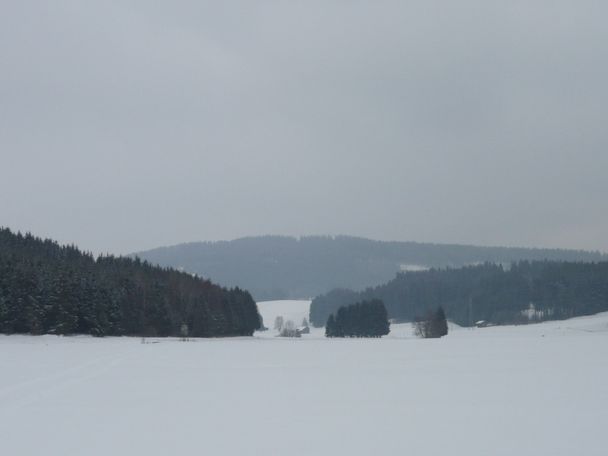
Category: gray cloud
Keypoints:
(126, 125)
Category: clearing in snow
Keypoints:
(514, 390)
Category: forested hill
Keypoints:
(527, 291)
(277, 267)
(48, 288)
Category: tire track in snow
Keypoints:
(30, 391)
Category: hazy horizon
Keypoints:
(126, 126)
(299, 236)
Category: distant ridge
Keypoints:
(283, 267)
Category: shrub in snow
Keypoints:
(434, 325)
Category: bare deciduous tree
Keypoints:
(278, 323)
(183, 330)
(433, 325)
(289, 330)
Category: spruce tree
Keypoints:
(440, 323)
(330, 327)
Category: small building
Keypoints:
(304, 330)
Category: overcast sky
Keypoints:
(126, 125)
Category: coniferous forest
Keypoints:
(48, 288)
(525, 292)
(363, 319)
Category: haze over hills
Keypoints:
(283, 267)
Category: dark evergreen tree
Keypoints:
(439, 323)
(330, 327)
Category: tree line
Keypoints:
(48, 288)
(526, 291)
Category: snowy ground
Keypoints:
(527, 390)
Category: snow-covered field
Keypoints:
(527, 390)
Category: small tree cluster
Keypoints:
(364, 319)
(434, 325)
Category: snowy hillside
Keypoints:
(289, 310)
(520, 390)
